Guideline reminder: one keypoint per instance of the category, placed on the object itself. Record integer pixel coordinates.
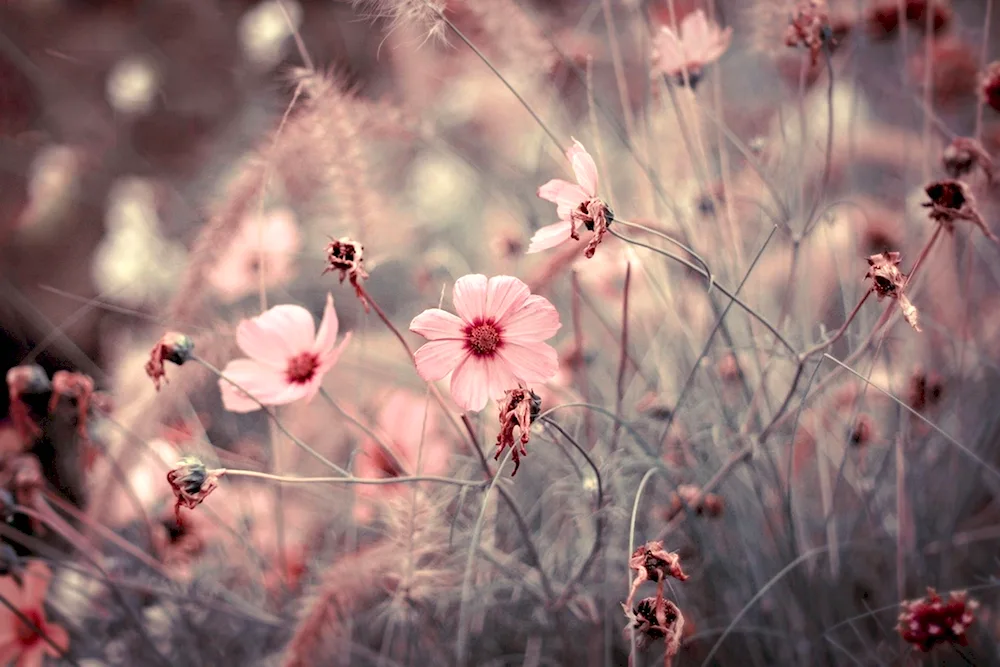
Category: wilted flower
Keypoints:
(700, 42)
(990, 85)
(347, 257)
(173, 347)
(951, 201)
(690, 496)
(654, 619)
(888, 280)
(77, 387)
(191, 482)
(25, 380)
(653, 563)
(964, 153)
(809, 26)
(576, 204)
(518, 409)
(495, 343)
(288, 357)
(20, 642)
(930, 621)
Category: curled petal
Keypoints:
(326, 338)
(437, 324)
(437, 358)
(550, 236)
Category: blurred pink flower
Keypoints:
(288, 358)
(496, 341)
(700, 42)
(577, 204)
(275, 236)
(18, 641)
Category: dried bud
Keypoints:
(930, 621)
(951, 201)
(173, 347)
(347, 257)
(77, 387)
(22, 381)
(809, 26)
(519, 408)
(964, 153)
(654, 619)
(989, 86)
(191, 482)
(888, 280)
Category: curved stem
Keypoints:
(670, 239)
(292, 479)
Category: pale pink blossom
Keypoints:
(495, 342)
(576, 204)
(273, 238)
(18, 641)
(700, 42)
(288, 357)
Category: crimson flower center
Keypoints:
(26, 635)
(302, 368)
(483, 338)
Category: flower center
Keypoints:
(26, 635)
(302, 368)
(483, 338)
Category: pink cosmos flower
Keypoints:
(577, 204)
(288, 358)
(275, 236)
(496, 341)
(18, 641)
(700, 42)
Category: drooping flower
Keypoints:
(576, 204)
(347, 257)
(273, 238)
(288, 357)
(518, 409)
(173, 347)
(700, 42)
(18, 641)
(889, 281)
(951, 201)
(654, 619)
(652, 562)
(191, 483)
(930, 620)
(494, 344)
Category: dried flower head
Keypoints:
(654, 619)
(518, 409)
(173, 347)
(576, 204)
(22, 381)
(191, 482)
(882, 19)
(809, 26)
(989, 86)
(690, 496)
(930, 620)
(951, 201)
(940, 18)
(888, 280)
(964, 153)
(653, 563)
(347, 257)
(77, 387)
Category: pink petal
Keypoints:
(535, 362)
(550, 236)
(469, 296)
(326, 337)
(58, 635)
(276, 335)
(437, 358)
(470, 384)
(583, 167)
(563, 193)
(504, 294)
(265, 383)
(33, 656)
(437, 324)
(536, 320)
(11, 648)
(37, 576)
(329, 359)
(694, 28)
(668, 53)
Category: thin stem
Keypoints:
(631, 542)
(383, 445)
(622, 357)
(580, 371)
(670, 239)
(292, 479)
(984, 54)
(840, 332)
(739, 302)
(327, 462)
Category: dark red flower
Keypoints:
(930, 621)
(941, 14)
